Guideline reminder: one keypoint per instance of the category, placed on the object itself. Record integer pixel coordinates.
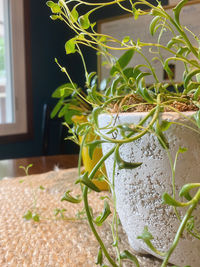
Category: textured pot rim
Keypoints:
(185, 113)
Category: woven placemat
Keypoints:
(51, 242)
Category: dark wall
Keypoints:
(47, 42)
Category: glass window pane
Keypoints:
(6, 92)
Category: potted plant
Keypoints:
(149, 132)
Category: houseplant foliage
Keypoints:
(126, 89)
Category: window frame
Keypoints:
(11, 133)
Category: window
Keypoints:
(14, 70)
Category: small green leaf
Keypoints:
(164, 126)
(28, 215)
(99, 257)
(50, 4)
(126, 39)
(104, 215)
(189, 77)
(146, 235)
(90, 76)
(136, 13)
(93, 145)
(182, 149)
(84, 21)
(63, 111)
(95, 114)
(140, 77)
(161, 137)
(129, 256)
(64, 90)
(122, 62)
(197, 118)
(177, 10)
(70, 46)
(184, 192)
(69, 198)
(197, 94)
(55, 17)
(36, 217)
(167, 199)
(74, 14)
(41, 187)
(56, 108)
(86, 181)
(167, 68)
(153, 24)
(70, 114)
(122, 164)
(55, 8)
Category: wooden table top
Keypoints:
(10, 167)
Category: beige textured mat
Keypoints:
(51, 242)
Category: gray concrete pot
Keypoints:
(139, 191)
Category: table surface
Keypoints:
(10, 167)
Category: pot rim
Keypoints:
(165, 114)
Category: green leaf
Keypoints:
(64, 90)
(95, 114)
(56, 108)
(145, 93)
(156, 12)
(197, 118)
(177, 10)
(67, 197)
(164, 126)
(167, 68)
(90, 76)
(74, 14)
(84, 21)
(126, 39)
(146, 236)
(69, 115)
(99, 257)
(50, 3)
(70, 46)
(114, 85)
(182, 150)
(63, 111)
(41, 187)
(28, 215)
(189, 77)
(153, 24)
(161, 137)
(167, 199)
(127, 255)
(104, 215)
(55, 8)
(136, 13)
(141, 76)
(122, 164)
(197, 94)
(86, 181)
(36, 217)
(122, 62)
(184, 192)
(55, 17)
(93, 145)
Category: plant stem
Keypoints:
(181, 228)
(87, 209)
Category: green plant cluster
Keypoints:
(126, 82)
